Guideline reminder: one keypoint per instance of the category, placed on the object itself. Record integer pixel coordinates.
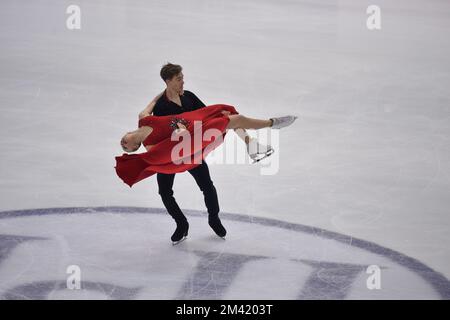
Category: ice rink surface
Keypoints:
(369, 158)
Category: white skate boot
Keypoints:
(281, 122)
(257, 151)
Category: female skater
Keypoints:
(160, 135)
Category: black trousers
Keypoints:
(203, 179)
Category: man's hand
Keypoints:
(181, 129)
(181, 126)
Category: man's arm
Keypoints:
(149, 109)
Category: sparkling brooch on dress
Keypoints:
(175, 121)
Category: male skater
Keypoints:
(175, 100)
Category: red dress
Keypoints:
(132, 168)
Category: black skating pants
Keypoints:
(203, 179)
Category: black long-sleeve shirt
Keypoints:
(165, 107)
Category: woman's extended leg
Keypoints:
(243, 122)
(243, 135)
(256, 151)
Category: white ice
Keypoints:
(369, 156)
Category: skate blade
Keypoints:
(174, 243)
(268, 154)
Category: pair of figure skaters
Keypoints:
(174, 113)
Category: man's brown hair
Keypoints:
(169, 70)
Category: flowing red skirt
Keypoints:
(191, 149)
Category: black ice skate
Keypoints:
(180, 233)
(216, 225)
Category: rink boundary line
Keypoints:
(437, 280)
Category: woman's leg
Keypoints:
(240, 121)
(239, 131)
(243, 135)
